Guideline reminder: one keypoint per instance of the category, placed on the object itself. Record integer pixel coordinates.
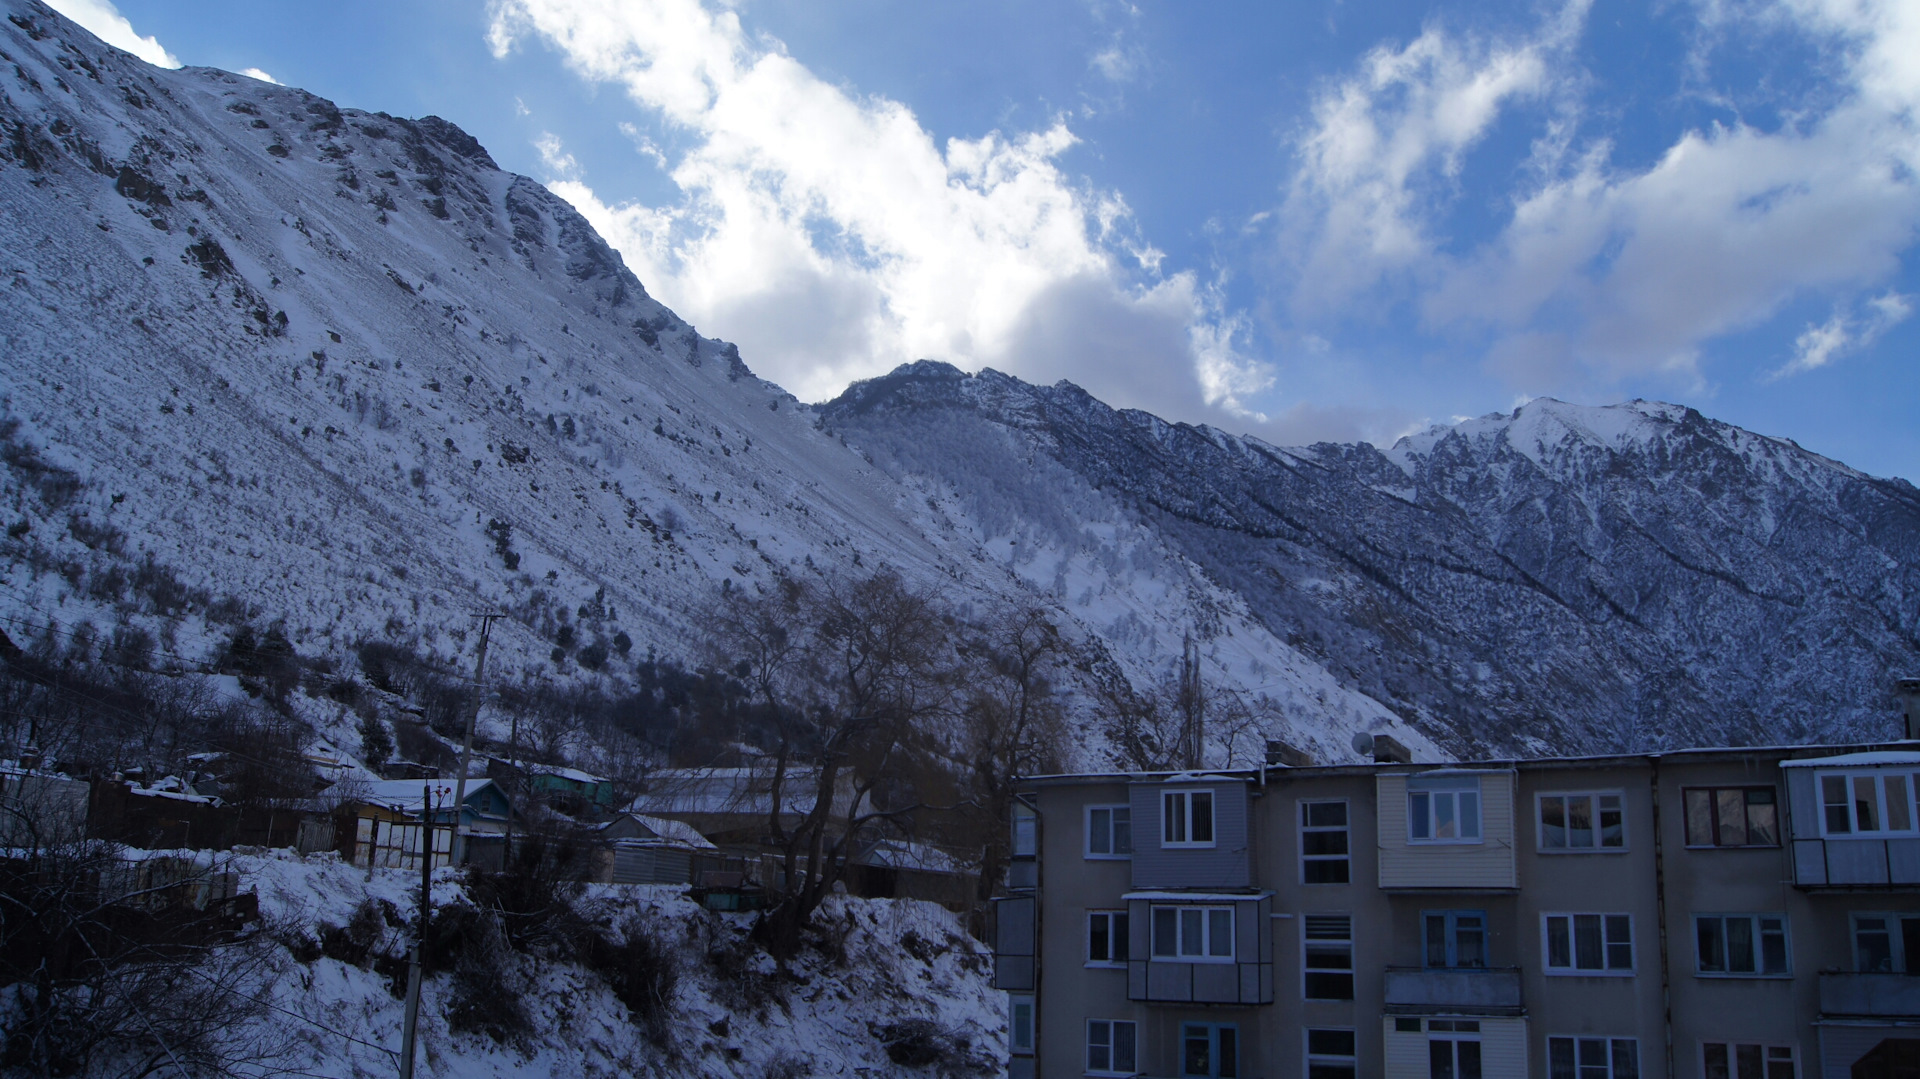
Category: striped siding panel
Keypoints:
(1503, 1050)
(1488, 864)
(1406, 1054)
(1226, 864)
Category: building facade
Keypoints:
(1722, 914)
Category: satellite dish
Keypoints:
(1362, 743)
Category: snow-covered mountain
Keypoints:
(270, 360)
(1561, 577)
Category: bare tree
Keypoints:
(849, 672)
(1015, 724)
(1183, 721)
(117, 968)
(1142, 726)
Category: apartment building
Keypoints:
(1714, 913)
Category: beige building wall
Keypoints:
(1517, 884)
(1596, 881)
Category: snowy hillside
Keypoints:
(1565, 578)
(271, 361)
(879, 980)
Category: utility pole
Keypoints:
(407, 1033)
(458, 848)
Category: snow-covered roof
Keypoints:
(562, 771)
(726, 791)
(403, 795)
(671, 831)
(1198, 897)
(175, 788)
(1884, 757)
(904, 854)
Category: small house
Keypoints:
(552, 781)
(40, 808)
(905, 869)
(387, 828)
(653, 850)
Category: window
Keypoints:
(1106, 937)
(1331, 1055)
(1110, 1048)
(1593, 1058)
(1444, 809)
(1109, 832)
(1328, 957)
(1202, 934)
(1731, 1060)
(1732, 817)
(1742, 944)
(1026, 831)
(1456, 938)
(1210, 1050)
(1450, 1056)
(1186, 819)
(1886, 944)
(1324, 856)
(1020, 1027)
(1589, 944)
(1866, 804)
(1582, 822)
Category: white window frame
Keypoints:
(1594, 809)
(1180, 954)
(1109, 916)
(1015, 1046)
(1896, 939)
(1091, 831)
(1790, 1054)
(1112, 1046)
(1350, 1061)
(1183, 836)
(1307, 829)
(1881, 804)
(1754, 919)
(1328, 944)
(1608, 921)
(1453, 794)
(1579, 1070)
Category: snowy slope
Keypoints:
(305, 357)
(728, 1014)
(270, 360)
(1559, 578)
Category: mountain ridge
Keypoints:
(1459, 498)
(337, 370)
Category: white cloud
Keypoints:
(105, 22)
(1600, 272)
(832, 238)
(256, 73)
(553, 155)
(1820, 345)
(1386, 144)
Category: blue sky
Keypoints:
(1305, 221)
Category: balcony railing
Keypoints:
(1856, 863)
(1420, 990)
(1877, 995)
(1199, 983)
